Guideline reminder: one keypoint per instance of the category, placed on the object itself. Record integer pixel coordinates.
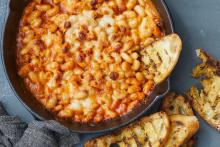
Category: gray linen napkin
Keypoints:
(14, 132)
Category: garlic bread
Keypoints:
(161, 56)
(182, 129)
(152, 130)
(176, 104)
(207, 100)
(189, 143)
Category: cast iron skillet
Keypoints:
(10, 30)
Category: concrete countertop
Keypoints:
(197, 22)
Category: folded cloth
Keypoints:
(14, 132)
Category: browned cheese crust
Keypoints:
(81, 59)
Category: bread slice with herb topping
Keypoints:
(152, 130)
(175, 104)
(207, 100)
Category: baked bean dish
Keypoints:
(81, 58)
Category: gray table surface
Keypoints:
(197, 22)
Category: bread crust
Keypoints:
(162, 56)
(206, 101)
(182, 129)
(151, 130)
(175, 104)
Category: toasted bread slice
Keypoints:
(209, 67)
(189, 143)
(182, 129)
(207, 100)
(176, 104)
(152, 130)
(161, 56)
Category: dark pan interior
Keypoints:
(36, 108)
